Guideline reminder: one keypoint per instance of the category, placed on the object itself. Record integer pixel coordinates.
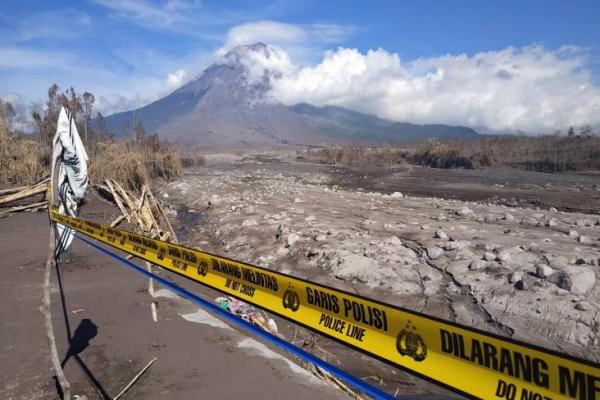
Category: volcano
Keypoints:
(224, 108)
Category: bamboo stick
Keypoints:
(33, 206)
(118, 201)
(4, 192)
(23, 194)
(46, 310)
(117, 221)
(135, 378)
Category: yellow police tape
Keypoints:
(466, 360)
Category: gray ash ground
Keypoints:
(500, 250)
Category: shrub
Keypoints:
(192, 160)
(133, 165)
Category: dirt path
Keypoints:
(114, 335)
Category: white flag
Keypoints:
(69, 175)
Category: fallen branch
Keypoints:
(135, 378)
(30, 207)
(23, 194)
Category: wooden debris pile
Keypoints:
(25, 198)
(144, 211)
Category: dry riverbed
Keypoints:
(531, 274)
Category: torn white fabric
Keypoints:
(69, 175)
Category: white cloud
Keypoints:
(142, 11)
(176, 79)
(19, 57)
(48, 25)
(302, 40)
(529, 89)
(274, 33)
(186, 17)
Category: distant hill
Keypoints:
(222, 109)
(342, 123)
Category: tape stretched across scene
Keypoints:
(466, 360)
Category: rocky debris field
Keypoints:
(531, 274)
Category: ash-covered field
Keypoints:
(513, 262)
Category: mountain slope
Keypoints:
(223, 108)
(343, 123)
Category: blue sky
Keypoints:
(133, 51)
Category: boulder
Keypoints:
(558, 262)
(291, 239)
(282, 230)
(440, 234)
(543, 271)
(477, 265)
(395, 241)
(583, 306)
(504, 256)
(515, 276)
(526, 282)
(449, 246)
(464, 212)
(434, 252)
(320, 238)
(396, 195)
(583, 239)
(577, 280)
(355, 266)
(249, 222)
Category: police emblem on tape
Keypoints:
(410, 343)
(291, 301)
(202, 268)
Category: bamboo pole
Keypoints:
(45, 308)
(5, 192)
(118, 201)
(23, 194)
(33, 207)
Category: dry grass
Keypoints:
(355, 156)
(438, 154)
(192, 160)
(133, 166)
(22, 161)
(544, 153)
